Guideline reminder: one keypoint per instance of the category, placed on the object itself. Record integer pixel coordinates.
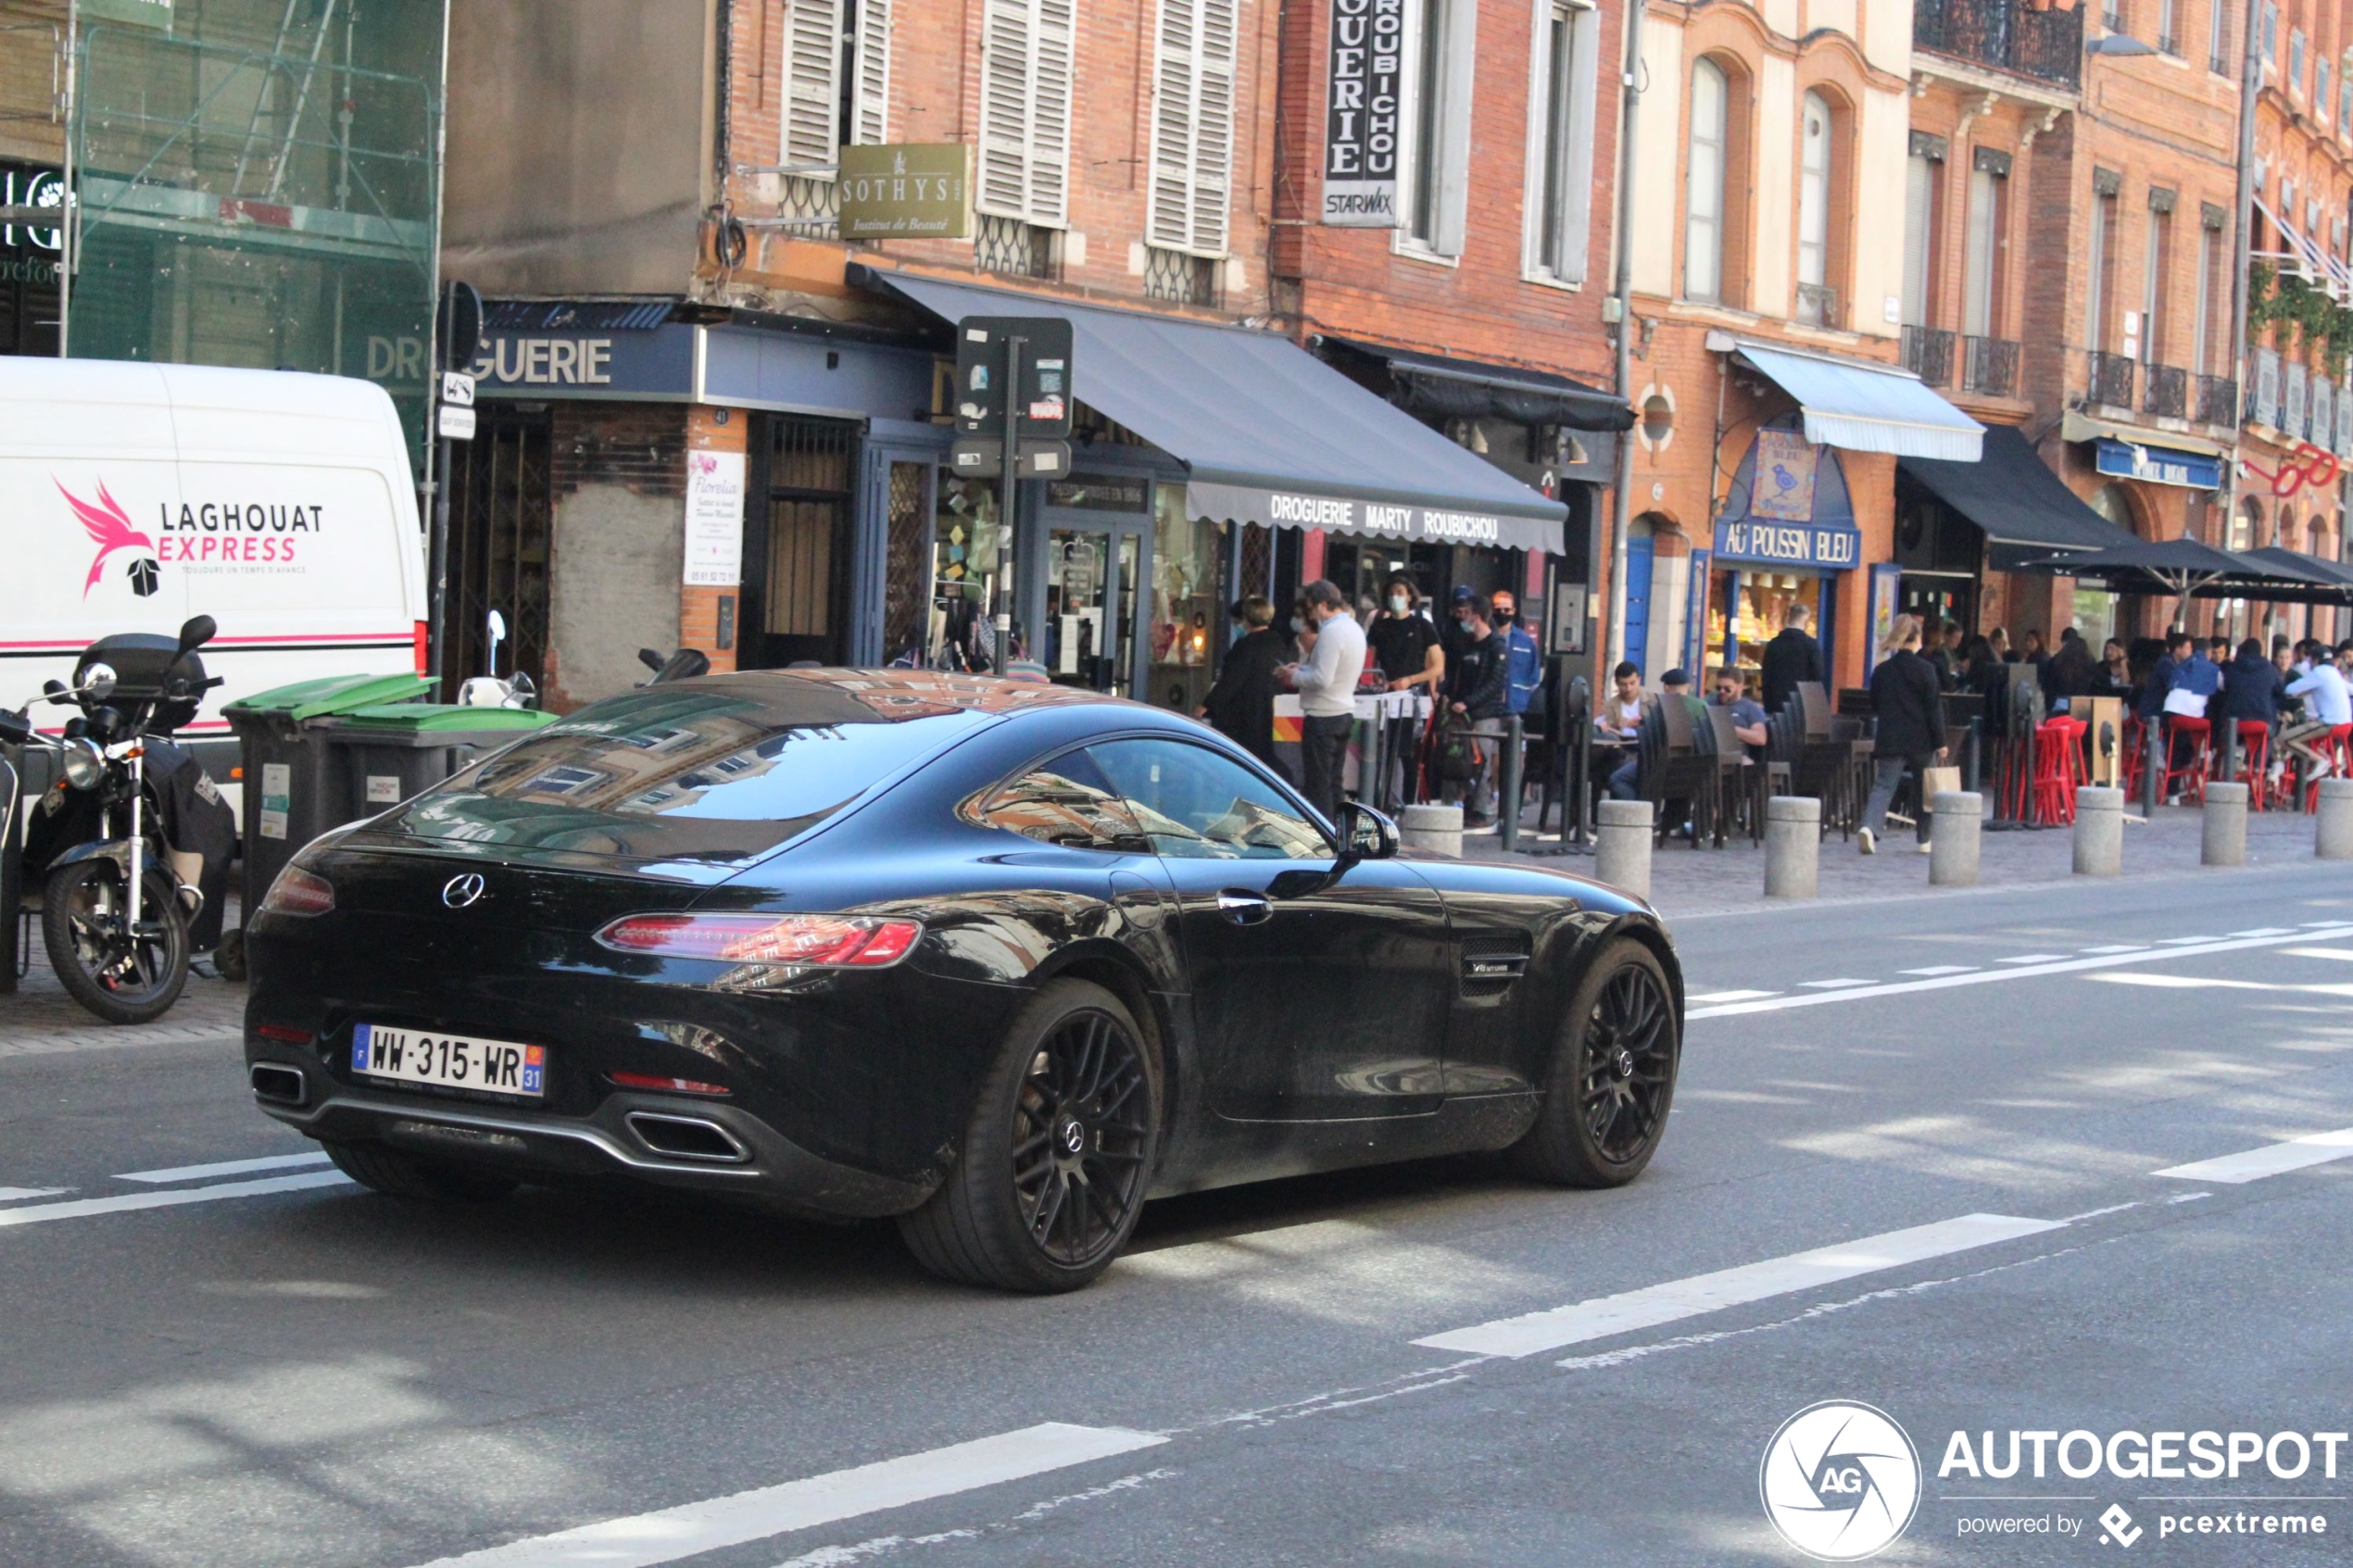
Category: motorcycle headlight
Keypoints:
(85, 766)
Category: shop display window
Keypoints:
(1746, 609)
(1187, 623)
(964, 558)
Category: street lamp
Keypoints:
(2121, 46)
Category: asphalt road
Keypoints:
(266, 1367)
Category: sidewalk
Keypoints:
(39, 1018)
(1688, 882)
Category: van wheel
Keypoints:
(1057, 1153)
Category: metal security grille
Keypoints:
(805, 557)
(1016, 249)
(906, 579)
(1258, 559)
(500, 516)
(1180, 279)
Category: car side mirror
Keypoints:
(1366, 833)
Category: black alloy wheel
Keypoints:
(1058, 1153)
(1613, 1075)
(122, 973)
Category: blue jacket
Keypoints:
(2199, 677)
(1523, 671)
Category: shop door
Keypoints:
(1090, 633)
(797, 562)
(1638, 600)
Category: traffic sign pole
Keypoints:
(1009, 487)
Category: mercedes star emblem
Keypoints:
(462, 892)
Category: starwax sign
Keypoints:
(1363, 113)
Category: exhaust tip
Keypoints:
(278, 1083)
(686, 1137)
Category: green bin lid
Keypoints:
(331, 695)
(423, 718)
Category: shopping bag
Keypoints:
(1935, 782)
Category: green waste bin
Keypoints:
(291, 792)
(397, 750)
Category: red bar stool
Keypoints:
(2338, 750)
(2254, 758)
(2189, 774)
(2058, 768)
(2135, 743)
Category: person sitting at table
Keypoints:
(1748, 716)
(1625, 784)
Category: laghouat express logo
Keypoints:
(257, 533)
(1840, 1481)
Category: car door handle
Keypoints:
(1243, 906)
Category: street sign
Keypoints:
(457, 421)
(906, 191)
(1043, 401)
(981, 456)
(457, 389)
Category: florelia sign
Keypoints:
(1362, 121)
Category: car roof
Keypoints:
(916, 694)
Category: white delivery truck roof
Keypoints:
(134, 495)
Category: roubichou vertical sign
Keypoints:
(1361, 122)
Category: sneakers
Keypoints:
(1867, 841)
(2323, 767)
(1925, 850)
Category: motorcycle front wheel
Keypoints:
(124, 976)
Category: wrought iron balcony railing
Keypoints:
(2166, 393)
(2218, 400)
(2006, 35)
(1928, 354)
(2111, 380)
(1989, 367)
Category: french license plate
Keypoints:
(413, 1056)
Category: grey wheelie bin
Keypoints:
(392, 752)
(292, 791)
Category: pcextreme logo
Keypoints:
(109, 528)
(1841, 1481)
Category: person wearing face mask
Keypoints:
(1404, 647)
(1476, 697)
(1524, 670)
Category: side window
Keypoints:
(1065, 801)
(1197, 804)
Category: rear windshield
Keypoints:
(717, 771)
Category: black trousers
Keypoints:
(1323, 745)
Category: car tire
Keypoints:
(418, 1178)
(1057, 1154)
(1611, 1080)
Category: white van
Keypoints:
(134, 495)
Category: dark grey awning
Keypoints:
(1269, 433)
(1465, 389)
(2014, 497)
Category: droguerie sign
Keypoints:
(1383, 517)
(1361, 116)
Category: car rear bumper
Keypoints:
(738, 1155)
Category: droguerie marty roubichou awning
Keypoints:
(1862, 406)
(2025, 508)
(1268, 433)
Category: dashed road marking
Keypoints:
(1833, 984)
(2184, 941)
(18, 1194)
(1704, 996)
(2032, 958)
(2266, 931)
(224, 1168)
(82, 1208)
(2121, 947)
(1944, 968)
(2271, 1160)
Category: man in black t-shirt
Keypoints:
(1404, 647)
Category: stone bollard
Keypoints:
(1438, 829)
(1793, 845)
(2225, 843)
(1953, 839)
(1622, 845)
(2333, 837)
(2099, 831)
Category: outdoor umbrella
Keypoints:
(2185, 569)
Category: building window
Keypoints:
(836, 71)
(1025, 50)
(1437, 163)
(2345, 98)
(2155, 269)
(1012, 247)
(1922, 174)
(2270, 33)
(2296, 60)
(2166, 40)
(2321, 88)
(2103, 241)
(2218, 36)
(1193, 126)
(1980, 271)
(1703, 185)
(1817, 300)
(1179, 277)
(1560, 157)
(2209, 269)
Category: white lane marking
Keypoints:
(18, 1194)
(2183, 941)
(1656, 1304)
(225, 1168)
(2271, 1160)
(1942, 982)
(1833, 985)
(2032, 958)
(2121, 947)
(1728, 995)
(1942, 968)
(643, 1539)
(2319, 952)
(2266, 931)
(81, 1207)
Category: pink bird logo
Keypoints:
(108, 527)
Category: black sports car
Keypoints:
(1000, 959)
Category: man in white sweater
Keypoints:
(1326, 687)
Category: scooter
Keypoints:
(126, 855)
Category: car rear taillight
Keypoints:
(298, 892)
(813, 941)
(665, 1085)
(283, 1035)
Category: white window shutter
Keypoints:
(870, 119)
(1214, 127)
(1027, 51)
(1193, 126)
(813, 81)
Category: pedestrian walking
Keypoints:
(1241, 705)
(1326, 687)
(1478, 690)
(1912, 729)
(1792, 656)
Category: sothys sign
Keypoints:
(1366, 67)
(906, 191)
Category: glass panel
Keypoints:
(1747, 609)
(1197, 804)
(1977, 305)
(1068, 801)
(1814, 194)
(1704, 198)
(1188, 622)
(1919, 207)
(965, 571)
(1558, 65)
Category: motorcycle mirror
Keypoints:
(98, 680)
(15, 728)
(56, 691)
(196, 631)
(650, 659)
(497, 627)
(683, 665)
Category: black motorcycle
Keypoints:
(126, 854)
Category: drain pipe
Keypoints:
(1622, 507)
